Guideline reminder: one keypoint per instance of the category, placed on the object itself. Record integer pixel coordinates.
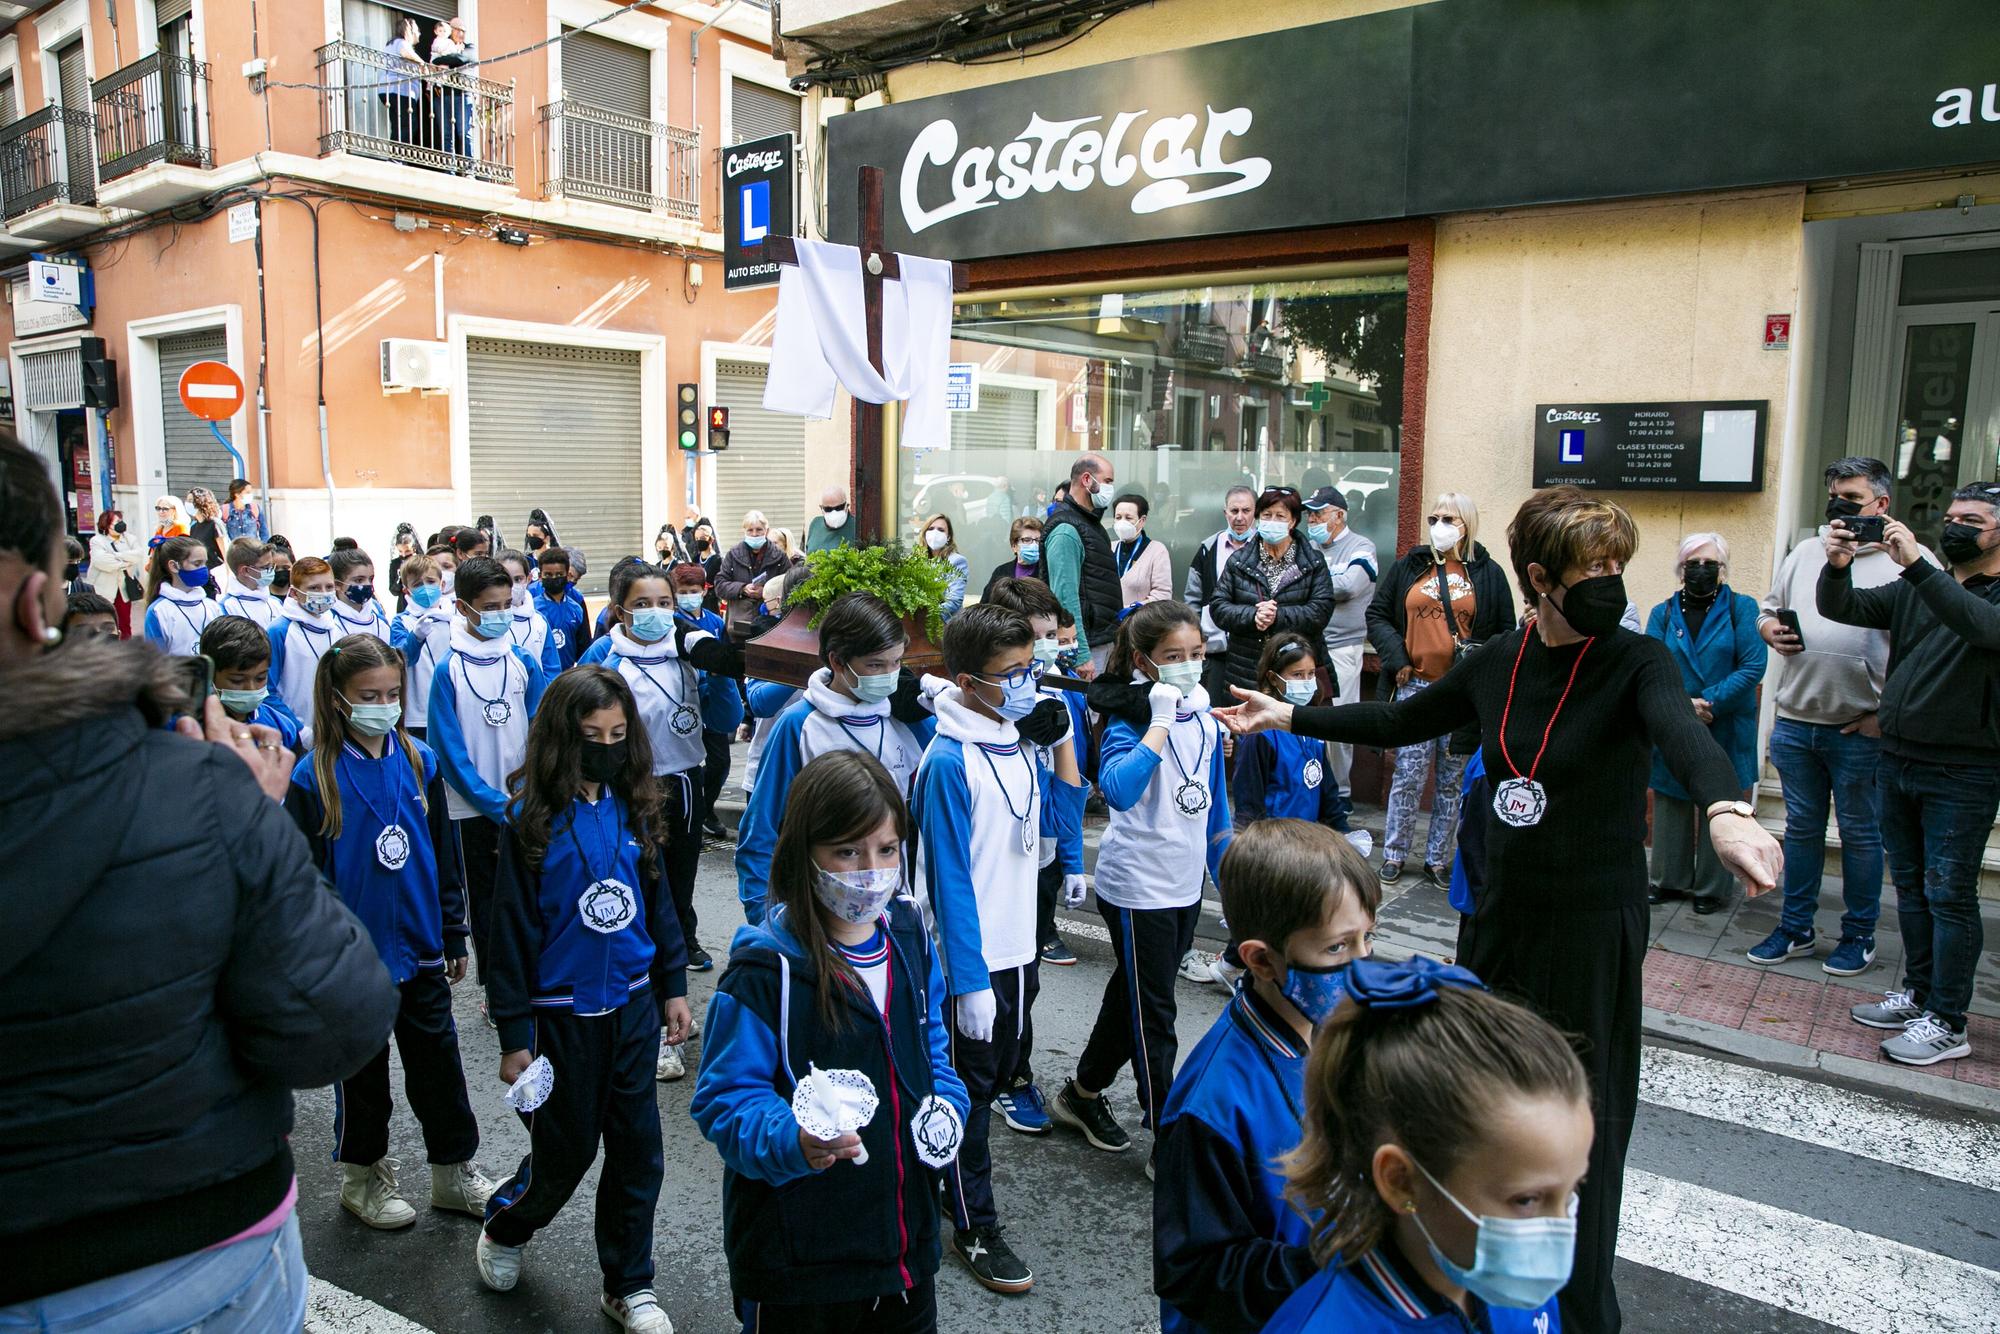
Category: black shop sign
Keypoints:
(1699, 446)
(757, 204)
(1426, 110)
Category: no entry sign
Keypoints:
(211, 391)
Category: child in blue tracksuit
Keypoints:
(301, 633)
(1278, 775)
(1161, 771)
(765, 701)
(1447, 1201)
(587, 969)
(371, 805)
(354, 603)
(482, 696)
(982, 815)
(1227, 1247)
(240, 650)
(838, 1232)
(179, 596)
(421, 632)
(862, 699)
(561, 606)
(531, 629)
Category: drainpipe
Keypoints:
(694, 61)
(263, 376)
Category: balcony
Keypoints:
(612, 158)
(1207, 344)
(48, 180)
(1264, 365)
(376, 105)
(152, 111)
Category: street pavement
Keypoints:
(1755, 1201)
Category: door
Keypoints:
(178, 109)
(558, 427)
(1947, 407)
(194, 456)
(79, 122)
(764, 467)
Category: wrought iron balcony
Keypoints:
(618, 159)
(45, 158)
(377, 105)
(1205, 343)
(155, 110)
(1264, 365)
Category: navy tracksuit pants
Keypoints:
(433, 1081)
(987, 1068)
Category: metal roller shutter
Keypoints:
(764, 467)
(1005, 420)
(52, 381)
(558, 427)
(193, 456)
(167, 11)
(608, 74)
(79, 136)
(756, 111)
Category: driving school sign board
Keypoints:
(757, 203)
(1703, 446)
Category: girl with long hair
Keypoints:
(587, 967)
(177, 593)
(305, 629)
(370, 802)
(841, 975)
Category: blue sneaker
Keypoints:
(1781, 945)
(1023, 1110)
(1852, 955)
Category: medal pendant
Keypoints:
(1191, 798)
(392, 847)
(608, 906)
(1027, 836)
(1520, 802)
(497, 712)
(1314, 772)
(684, 720)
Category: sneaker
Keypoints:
(369, 1192)
(1022, 1108)
(712, 828)
(1224, 973)
(1896, 1009)
(672, 1065)
(1390, 873)
(461, 1188)
(1926, 1042)
(1092, 1116)
(694, 1027)
(992, 1261)
(1439, 877)
(640, 1311)
(1195, 966)
(499, 1266)
(1852, 955)
(1781, 945)
(698, 959)
(1057, 953)
(1149, 1161)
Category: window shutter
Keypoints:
(167, 11)
(1005, 420)
(607, 74)
(757, 112)
(10, 105)
(52, 380)
(764, 467)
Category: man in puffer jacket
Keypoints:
(171, 967)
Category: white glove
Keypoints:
(930, 687)
(1074, 887)
(1165, 701)
(975, 1015)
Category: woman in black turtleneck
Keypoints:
(1570, 708)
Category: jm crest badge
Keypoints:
(497, 712)
(392, 847)
(1314, 772)
(608, 906)
(1520, 802)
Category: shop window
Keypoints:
(1189, 392)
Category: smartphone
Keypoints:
(197, 677)
(1866, 528)
(1790, 620)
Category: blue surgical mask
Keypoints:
(373, 719)
(242, 703)
(1183, 676)
(1016, 701)
(1301, 692)
(1319, 532)
(873, 689)
(426, 595)
(493, 624)
(194, 578)
(1047, 651)
(689, 603)
(264, 577)
(755, 543)
(1520, 1263)
(1316, 992)
(1029, 554)
(1273, 531)
(652, 624)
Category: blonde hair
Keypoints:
(340, 664)
(781, 538)
(1694, 542)
(1467, 511)
(1565, 527)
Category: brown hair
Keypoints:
(340, 664)
(1030, 597)
(174, 549)
(415, 569)
(551, 773)
(1426, 1077)
(1141, 632)
(1562, 527)
(245, 551)
(1022, 525)
(1282, 652)
(950, 536)
(1281, 877)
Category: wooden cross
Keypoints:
(877, 263)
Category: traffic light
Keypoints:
(688, 421)
(718, 428)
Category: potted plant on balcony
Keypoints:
(913, 586)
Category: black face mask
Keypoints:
(118, 527)
(281, 579)
(1701, 577)
(1959, 544)
(536, 544)
(1594, 606)
(555, 588)
(1840, 507)
(70, 571)
(602, 761)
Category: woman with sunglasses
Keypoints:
(1417, 642)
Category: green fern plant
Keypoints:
(911, 583)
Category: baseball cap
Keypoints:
(1327, 497)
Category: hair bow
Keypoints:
(1376, 984)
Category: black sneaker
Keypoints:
(992, 1261)
(698, 959)
(712, 828)
(1390, 873)
(1439, 876)
(1092, 1116)
(1057, 953)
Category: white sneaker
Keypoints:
(1195, 967)
(694, 1026)
(671, 1065)
(461, 1187)
(641, 1311)
(1926, 1042)
(499, 1266)
(370, 1194)
(1224, 973)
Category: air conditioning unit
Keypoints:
(410, 363)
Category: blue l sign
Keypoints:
(1572, 446)
(754, 205)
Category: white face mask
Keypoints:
(1301, 692)
(935, 539)
(1444, 536)
(857, 896)
(834, 519)
(1126, 530)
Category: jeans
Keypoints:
(247, 1287)
(1935, 819)
(1815, 762)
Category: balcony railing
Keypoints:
(153, 111)
(1264, 365)
(45, 158)
(381, 106)
(1205, 343)
(618, 159)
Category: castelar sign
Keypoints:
(1429, 110)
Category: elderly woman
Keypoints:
(1275, 584)
(1145, 570)
(1711, 631)
(169, 520)
(941, 543)
(1417, 642)
(750, 562)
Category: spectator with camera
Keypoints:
(1938, 779)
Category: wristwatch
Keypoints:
(1742, 808)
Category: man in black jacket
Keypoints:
(1204, 572)
(1938, 778)
(171, 967)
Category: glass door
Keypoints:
(1947, 407)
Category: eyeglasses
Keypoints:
(1019, 677)
(1281, 490)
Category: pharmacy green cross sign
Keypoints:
(1316, 396)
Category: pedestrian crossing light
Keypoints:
(718, 428)
(689, 420)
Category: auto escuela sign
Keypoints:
(1438, 108)
(757, 203)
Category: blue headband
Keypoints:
(1377, 984)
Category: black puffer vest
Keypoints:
(1097, 586)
